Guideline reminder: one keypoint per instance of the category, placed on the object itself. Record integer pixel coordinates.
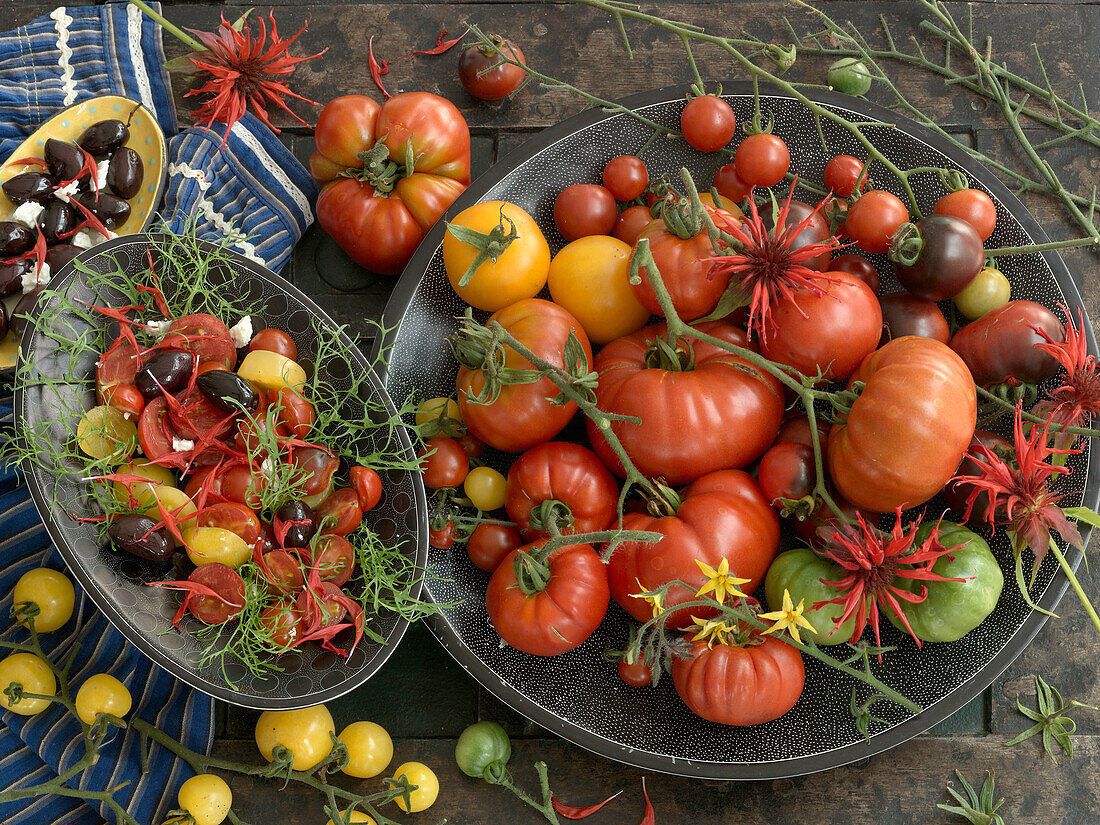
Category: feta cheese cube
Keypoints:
(181, 445)
(33, 277)
(27, 213)
(241, 332)
(101, 173)
(87, 238)
(66, 192)
(157, 328)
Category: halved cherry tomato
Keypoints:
(274, 340)
(242, 485)
(154, 433)
(368, 487)
(334, 558)
(232, 516)
(282, 624)
(205, 336)
(320, 464)
(197, 416)
(343, 505)
(297, 413)
(124, 397)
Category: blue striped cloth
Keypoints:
(252, 188)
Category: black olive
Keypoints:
(100, 139)
(60, 254)
(11, 275)
(63, 159)
(30, 186)
(112, 211)
(228, 391)
(302, 525)
(171, 368)
(139, 536)
(58, 221)
(125, 173)
(27, 306)
(15, 239)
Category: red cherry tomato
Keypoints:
(635, 674)
(205, 336)
(196, 416)
(282, 624)
(905, 314)
(843, 173)
(859, 266)
(124, 397)
(368, 487)
(445, 464)
(242, 485)
(274, 340)
(334, 559)
(319, 464)
(708, 123)
(343, 506)
(485, 75)
(471, 444)
(584, 209)
(626, 177)
(787, 471)
(630, 223)
(874, 218)
(762, 159)
(490, 543)
(283, 572)
(443, 537)
(972, 205)
(297, 413)
(232, 516)
(155, 433)
(729, 185)
(227, 583)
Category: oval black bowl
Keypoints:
(579, 696)
(114, 581)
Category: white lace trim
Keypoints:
(134, 19)
(208, 211)
(62, 21)
(269, 163)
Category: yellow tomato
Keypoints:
(272, 371)
(486, 488)
(207, 798)
(427, 787)
(176, 503)
(590, 278)
(51, 591)
(216, 544)
(34, 675)
(102, 693)
(519, 271)
(306, 733)
(370, 749)
(724, 203)
(356, 817)
(105, 432)
(140, 491)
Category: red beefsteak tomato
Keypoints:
(907, 430)
(722, 516)
(710, 410)
(562, 481)
(522, 415)
(557, 618)
(740, 685)
(390, 171)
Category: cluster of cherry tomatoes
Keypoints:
(713, 428)
(209, 464)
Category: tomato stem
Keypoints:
(489, 245)
(1074, 583)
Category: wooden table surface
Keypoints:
(422, 697)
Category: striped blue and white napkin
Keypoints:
(251, 188)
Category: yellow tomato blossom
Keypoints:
(713, 631)
(790, 618)
(720, 582)
(654, 600)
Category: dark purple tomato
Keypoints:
(859, 266)
(904, 314)
(999, 347)
(937, 257)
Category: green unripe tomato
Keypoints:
(953, 609)
(850, 76)
(800, 572)
(989, 290)
(481, 745)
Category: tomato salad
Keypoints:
(718, 459)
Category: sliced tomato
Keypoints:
(155, 431)
(118, 365)
(205, 336)
(197, 416)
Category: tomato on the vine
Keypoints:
(206, 798)
(369, 747)
(762, 159)
(630, 223)
(636, 673)
(850, 76)
(307, 733)
(844, 173)
(905, 314)
(708, 123)
(427, 787)
(859, 266)
(626, 177)
(102, 693)
(584, 209)
(490, 543)
(51, 592)
(445, 464)
(999, 347)
(730, 185)
(971, 205)
(874, 218)
(34, 675)
(486, 488)
(442, 537)
(787, 472)
(989, 290)
(484, 72)
(936, 257)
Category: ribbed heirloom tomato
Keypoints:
(407, 160)
(721, 517)
(907, 430)
(707, 411)
(522, 415)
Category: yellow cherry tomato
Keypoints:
(356, 817)
(427, 787)
(306, 733)
(370, 749)
(140, 491)
(34, 675)
(518, 272)
(171, 501)
(216, 544)
(590, 278)
(102, 693)
(106, 433)
(272, 371)
(486, 488)
(439, 416)
(207, 798)
(51, 591)
(724, 203)
(989, 290)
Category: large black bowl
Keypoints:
(578, 695)
(114, 580)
